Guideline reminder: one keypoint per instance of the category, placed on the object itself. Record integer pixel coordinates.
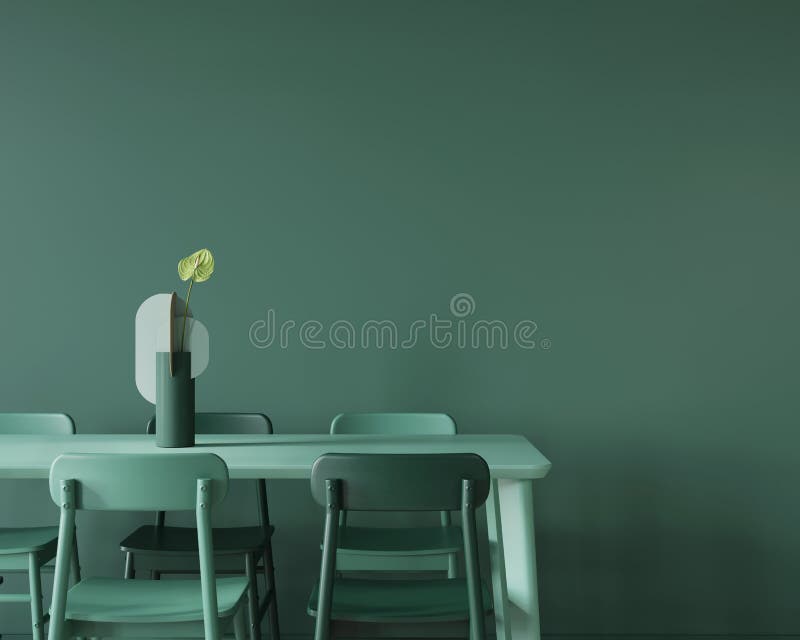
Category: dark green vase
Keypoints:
(174, 401)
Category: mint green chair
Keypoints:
(28, 549)
(371, 548)
(115, 607)
(173, 550)
(387, 482)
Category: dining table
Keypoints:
(514, 464)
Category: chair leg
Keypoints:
(239, 628)
(155, 574)
(35, 584)
(252, 596)
(130, 567)
(75, 566)
(269, 584)
(452, 566)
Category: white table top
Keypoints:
(274, 456)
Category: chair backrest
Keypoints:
(36, 423)
(138, 482)
(221, 423)
(417, 424)
(400, 482)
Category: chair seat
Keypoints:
(116, 600)
(27, 540)
(388, 601)
(408, 541)
(183, 540)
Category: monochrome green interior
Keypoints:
(622, 174)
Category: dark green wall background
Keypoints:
(623, 173)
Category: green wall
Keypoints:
(623, 173)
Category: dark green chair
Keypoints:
(373, 548)
(173, 550)
(359, 482)
(115, 607)
(28, 549)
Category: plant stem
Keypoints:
(186, 312)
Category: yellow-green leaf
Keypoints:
(199, 266)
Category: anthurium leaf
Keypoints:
(198, 267)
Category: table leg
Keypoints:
(512, 549)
